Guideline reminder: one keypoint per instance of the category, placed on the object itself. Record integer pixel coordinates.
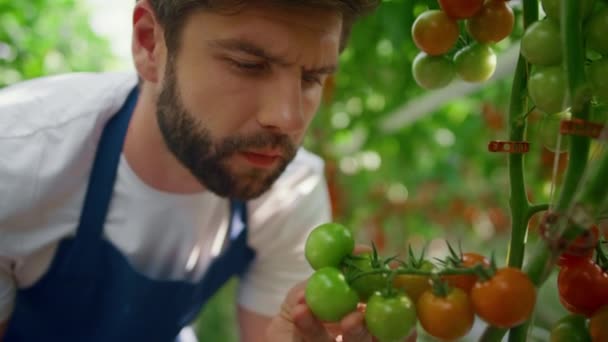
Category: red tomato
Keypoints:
(466, 282)
(581, 248)
(583, 287)
(461, 9)
(493, 23)
(448, 318)
(434, 32)
(505, 300)
(598, 325)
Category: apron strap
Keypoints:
(238, 221)
(101, 183)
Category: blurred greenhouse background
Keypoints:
(405, 166)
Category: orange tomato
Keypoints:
(505, 300)
(466, 282)
(449, 318)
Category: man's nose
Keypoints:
(283, 108)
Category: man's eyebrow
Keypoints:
(247, 47)
(325, 70)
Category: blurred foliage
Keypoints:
(431, 177)
(40, 37)
(426, 181)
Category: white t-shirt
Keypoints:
(49, 129)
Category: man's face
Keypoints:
(238, 96)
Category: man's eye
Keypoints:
(312, 79)
(249, 66)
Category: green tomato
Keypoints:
(367, 285)
(552, 8)
(547, 89)
(432, 72)
(390, 318)
(328, 244)
(550, 129)
(475, 62)
(571, 328)
(541, 43)
(596, 30)
(329, 296)
(598, 76)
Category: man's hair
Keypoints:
(172, 14)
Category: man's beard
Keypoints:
(192, 144)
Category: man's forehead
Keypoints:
(315, 18)
(273, 28)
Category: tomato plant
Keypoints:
(552, 8)
(390, 318)
(493, 23)
(367, 284)
(598, 75)
(583, 287)
(446, 317)
(505, 300)
(414, 285)
(329, 296)
(461, 9)
(595, 31)
(465, 281)
(434, 32)
(598, 325)
(475, 62)
(547, 89)
(541, 43)
(571, 328)
(432, 72)
(328, 244)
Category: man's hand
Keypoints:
(297, 324)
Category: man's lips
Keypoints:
(262, 158)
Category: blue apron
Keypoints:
(91, 292)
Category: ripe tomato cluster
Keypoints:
(541, 46)
(442, 56)
(444, 298)
(582, 283)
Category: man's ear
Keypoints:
(147, 46)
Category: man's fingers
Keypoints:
(353, 327)
(295, 295)
(309, 328)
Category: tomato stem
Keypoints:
(440, 287)
(579, 94)
(533, 209)
(390, 290)
(477, 270)
(518, 201)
